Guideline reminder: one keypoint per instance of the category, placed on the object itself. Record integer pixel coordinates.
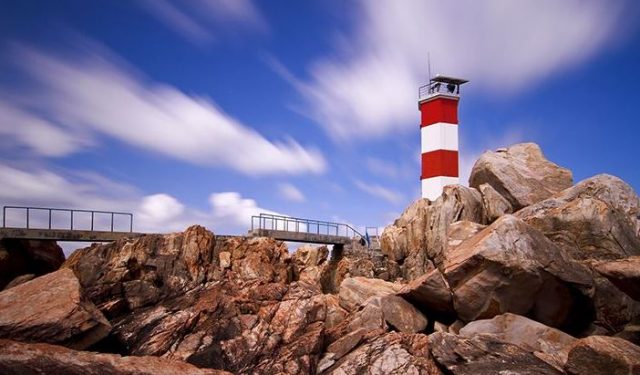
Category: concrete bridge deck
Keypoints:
(283, 235)
(65, 235)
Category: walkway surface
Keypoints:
(286, 228)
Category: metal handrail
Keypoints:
(71, 211)
(330, 227)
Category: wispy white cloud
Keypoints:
(228, 213)
(290, 192)
(379, 191)
(201, 21)
(504, 46)
(85, 96)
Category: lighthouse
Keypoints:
(438, 104)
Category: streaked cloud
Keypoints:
(291, 193)
(79, 98)
(371, 80)
(202, 21)
(379, 191)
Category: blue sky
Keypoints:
(211, 111)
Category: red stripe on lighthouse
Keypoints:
(440, 163)
(439, 110)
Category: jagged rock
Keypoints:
(549, 344)
(630, 332)
(624, 274)
(418, 238)
(392, 353)
(24, 359)
(400, 314)
(19, 257)
(596, 219)
(484, 355)
(308, 262)
(511, 267)
(430, 293)
(495, 205)
(354, 291)
(51, 309)
(602, 355)
(521, 174)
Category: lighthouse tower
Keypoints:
(438, 104)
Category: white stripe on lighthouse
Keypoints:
(432, 187)
(439, 136)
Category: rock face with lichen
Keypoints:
(521, 273)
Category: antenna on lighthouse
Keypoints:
(429, 65)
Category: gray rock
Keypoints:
(484, 355)
(549, 344)
(602, 355)
(521, 174)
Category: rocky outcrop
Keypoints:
(24, 359)
(308, 263)
(51, 309)
(495, 205)
(521, 174)
(418, 239)
(549, 344)
(20, 257)
(484, 354)
(624, 274)
(595, 220)
(512, 267)
(430, 293)
(601, 355)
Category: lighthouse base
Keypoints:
(432, 187)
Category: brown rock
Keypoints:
(624, 274)
(461, 231)
(392, 353)
(19, 257)
(549, 344)
(20, 280)
(51, 309)
(418, 238)
(596, 355)
(354, 291)
(597, 219)
(484, 354)
(511, 267)
(308, 263)
(430, 292)
(521, 174)
(24, 359)
(495, 205)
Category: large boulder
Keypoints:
(25, 359)
(20, 257)
(51, 309)
(431, 294)
(512, 267)
(521, 174)
(485, 355)
(418, 239)
(596, 219)
(602, 355)
(549, 344)
(624, 274)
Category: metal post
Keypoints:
(4, 217)
(27, 217)
(112, 221)
(92, 221)
(71, 219)
(130, 223)
(49, 218)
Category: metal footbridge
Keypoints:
(62, 224)
(293, 229)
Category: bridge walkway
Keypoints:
(61, 224)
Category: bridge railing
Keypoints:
(47, 221)
(299, 225)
